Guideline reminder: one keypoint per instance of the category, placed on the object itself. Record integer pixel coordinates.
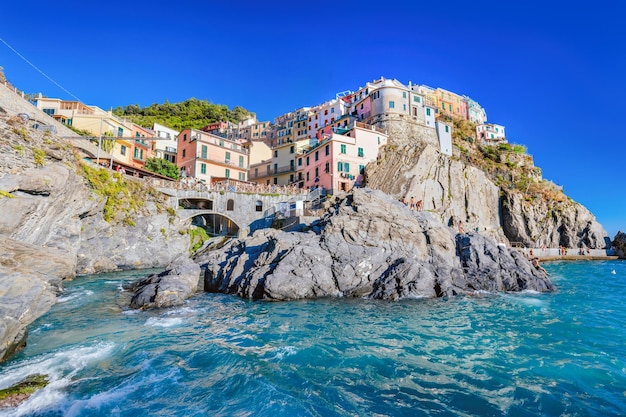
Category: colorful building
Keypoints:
(337, 162)
(210, 158)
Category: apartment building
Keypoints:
(211, 158)
(337, 162)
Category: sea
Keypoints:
(524, 354)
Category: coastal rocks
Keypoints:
(540, 223)
(449, 189)
(30, 277)
(619, 244)
(367, 245)
(491, 267)
(169, 288)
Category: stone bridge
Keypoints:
(229, 210)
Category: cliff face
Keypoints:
(462, 188)
(52, 226)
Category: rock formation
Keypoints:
(169, 288)
(368, 245)
(463, 188)
(52, 227)
(619, 244)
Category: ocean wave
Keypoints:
(164, 321)
(61, 369)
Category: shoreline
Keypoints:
(579, 258)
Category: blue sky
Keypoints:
(552, 72)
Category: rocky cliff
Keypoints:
(368, 245)
(497, 192)
(60, 218)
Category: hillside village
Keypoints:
(327, 145)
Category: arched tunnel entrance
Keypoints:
(216, 224)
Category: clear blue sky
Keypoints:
(552, 72)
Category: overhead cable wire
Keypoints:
(38, 70)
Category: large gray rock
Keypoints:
(368, 245)
(169, 288)
(30, 277)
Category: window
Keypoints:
(203, 153)
(339, 166)
(343, 148)
(292, 148)
(362, 169)
(325, 112)
(346, 167)
(203, 168)
(227, 173)
(332, 110)
(327, 167)
(240, 161)
(361, 153)
(317, 172)
(221, 142)
(450, 107)
(392, 105)
(275, 154)
(227, 157)
(185, 137)
(230, 204)
(416, 99)
(404, 94)
(327, 150)
(317, 155)
(258, 206)
(299, 162)
(49, 112)
(307, 176)
(120, 132)
(447, 129)
(404, 107)
(184, 152)
(136, 155)
(427, 111)
(242, 176)
(307, 161)
(123, 150)
(275, 168)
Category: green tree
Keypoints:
(162, 166)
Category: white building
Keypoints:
(165, 147)
(490, 133)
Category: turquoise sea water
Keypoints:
(489, 355)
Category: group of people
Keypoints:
(413, 204)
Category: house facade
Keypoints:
(210, 158)
(337, 162)
(490, 133)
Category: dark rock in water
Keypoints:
(169, 288)
(619, 244)
(368, 245)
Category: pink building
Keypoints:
(338, 161)
(211, 158)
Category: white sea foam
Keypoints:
(164, 321)
(61, 368)
(283, 351)
(74, 296)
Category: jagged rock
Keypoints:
(619, 244)
(369, 245)
(537, 224)
(30, 277)
(169, 288)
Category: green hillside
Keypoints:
(191, 113)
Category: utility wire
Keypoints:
(40, 71)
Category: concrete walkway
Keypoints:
(571, 254)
